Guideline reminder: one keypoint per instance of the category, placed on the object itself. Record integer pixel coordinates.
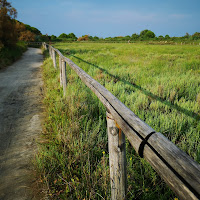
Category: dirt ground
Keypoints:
(20, 124)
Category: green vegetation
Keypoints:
(145, 35)
(160, 84)
(10, 54)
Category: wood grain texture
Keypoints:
(60, 68)
(117, 159)
(54, 59)
(64, 77)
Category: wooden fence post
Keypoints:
(64, 77)
(54, 59)
(117, 159)
(60, 67)
(50, 50)
(51, 53)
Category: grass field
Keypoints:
(160, 84)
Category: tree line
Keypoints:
(12, 31)
(145, 35)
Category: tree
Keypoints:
(135, 36)
(160, 37)
(7, 24)
(146, 34)
(72, 36)
(27, 36)
(22, 33)
(63, 35)
(196, 36)
(33, 29)
(150, 34)
(167, 37)
(187, 36)
(53, 37)
(83, 38)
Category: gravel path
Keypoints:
(20, 124)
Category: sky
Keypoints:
(110, 18)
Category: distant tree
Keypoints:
(146, 34)
(167, 37)
(96, 38)
(22, 33)
(160, 37)
(27, 36)
(150, 34)
(72, 36)
(196, 36)
(33, 29)
(83, 38)
(63, 35)
(143, 33)
(135, 36)
(7, 24)
(44, 38)
(187, 35)
(53, 37)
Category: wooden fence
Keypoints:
(178, 170)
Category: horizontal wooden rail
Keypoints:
(34, 43)
(178, 170)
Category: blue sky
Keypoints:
(106, 18)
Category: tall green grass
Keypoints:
(158, 83)
(10, 54)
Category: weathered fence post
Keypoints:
(54, 58)
(117, 159)
(60, 67)
(64, 77)
(51, 53)
(50, 50)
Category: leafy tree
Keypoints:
(167, 37)
(150, 34)
(135, 36)
(160, 37)
(83, 38)
(146, 34)
(27, 36)
(187, 36)
(96, 38)
(72, 36)
(33, 29)
(196, 36)
(63, 35)
(143, 33)
(45, 38)
(53, 37)
(7, 24)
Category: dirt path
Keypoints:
(20, 124)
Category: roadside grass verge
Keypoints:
(73, 158)
(8, 55)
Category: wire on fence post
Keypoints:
(117, 159)
(64, 77)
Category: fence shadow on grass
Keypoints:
(146, 92)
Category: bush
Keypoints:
(10, 54)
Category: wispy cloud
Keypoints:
(179, 16)
(114, 17)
